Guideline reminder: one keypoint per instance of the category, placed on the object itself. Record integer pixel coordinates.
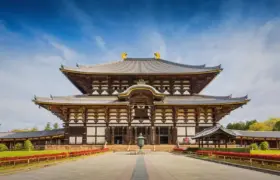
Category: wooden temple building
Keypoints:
(152, 96)
(218, 136)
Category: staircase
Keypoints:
(164, 148)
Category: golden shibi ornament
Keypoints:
(124, 55)
(157, 55)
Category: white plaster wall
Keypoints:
(90, 140)
(90, 131)
(100, 140)
(181, 131)
(191, 131)
(100, 131)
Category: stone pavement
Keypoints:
(153, 166)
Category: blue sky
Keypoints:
(37, 36)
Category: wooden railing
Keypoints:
(6, 161)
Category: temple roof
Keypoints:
(141, 66)
(33, 134)
(237, 133)
(106, 100)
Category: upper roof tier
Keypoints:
(141, 66)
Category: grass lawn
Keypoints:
(268, 152)
(27, 153)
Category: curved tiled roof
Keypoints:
(141, 66)
(96, 100)
(33, 134)
(254, 134)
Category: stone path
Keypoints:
(153, 166)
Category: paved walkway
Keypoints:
(154, 166)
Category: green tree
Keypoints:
(34, 129)
(3, 147)
(28, 146)
(238, 126)
(18, 146)
(271, 122)
(249, 123)
(55, 126)
(259, 126)
(264, 145)
(48, 127)
(254, 146)
(276, 126)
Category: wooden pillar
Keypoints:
(66, 133)
(202, 142)
(129, 135)
(84, 140)
(198, 142)
(113, 135)
(174, 135)
(169, 135)
(241, 141)
(123, 136)
(219, 141)
(152, 135)
(158, 138)
(226, 141)
(215, 143)
(208, 142)
(135, 135)
(146, 135)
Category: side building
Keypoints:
(152, 96)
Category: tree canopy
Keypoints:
(55, 126)
(272, 124)
(48, 126)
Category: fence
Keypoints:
(46, 157)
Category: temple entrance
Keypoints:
(163, 139)
(162, 135)
(118, 140)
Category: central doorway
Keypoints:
(162, 135)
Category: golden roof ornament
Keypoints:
(124, 55)
(157, 55)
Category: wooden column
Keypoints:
(169, 135)
(226, 141)
(219, 141)
(123, 135)
(135, 135)
(66, 133)
(202, 142)
(158, 137)
(129, 135)
(146, 135)
(196, 120)
(113, 135)
(174, 135)
(152, 135)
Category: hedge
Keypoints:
(243, 150)
(194, 149)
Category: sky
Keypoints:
(36, 37)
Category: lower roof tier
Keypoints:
(114, 100)
(174, 108)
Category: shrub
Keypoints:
(18, 146)
(264, 145)
(192, 149)
(28, 146)
(254, 146)
(243, 150)
(3, 147)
